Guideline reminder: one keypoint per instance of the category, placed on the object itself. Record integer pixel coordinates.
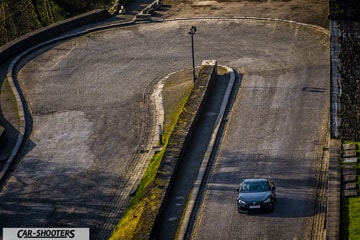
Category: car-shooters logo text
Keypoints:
(46, 233)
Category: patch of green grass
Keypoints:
(350, 213)
(350, 218)
(132, 218)
(8, 104)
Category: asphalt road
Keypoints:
(277, 129)
(88, 100)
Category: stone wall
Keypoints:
(349, 70)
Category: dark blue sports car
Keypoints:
(256, 195)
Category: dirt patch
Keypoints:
(306, 11)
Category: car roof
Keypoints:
(255, 180)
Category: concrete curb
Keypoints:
(201, 175)
(333, 203)
(335, 110)
(315, 27)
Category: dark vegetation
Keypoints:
(18, 17)
(344, 9)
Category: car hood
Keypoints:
(250, 197)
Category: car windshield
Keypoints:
(255, 187)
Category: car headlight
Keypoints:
(267, 200)
(241, 201)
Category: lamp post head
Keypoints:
(192, 30)
(192, 33)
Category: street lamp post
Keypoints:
(192, 33)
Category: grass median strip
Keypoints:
(350, 210)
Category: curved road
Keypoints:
(88, 97)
